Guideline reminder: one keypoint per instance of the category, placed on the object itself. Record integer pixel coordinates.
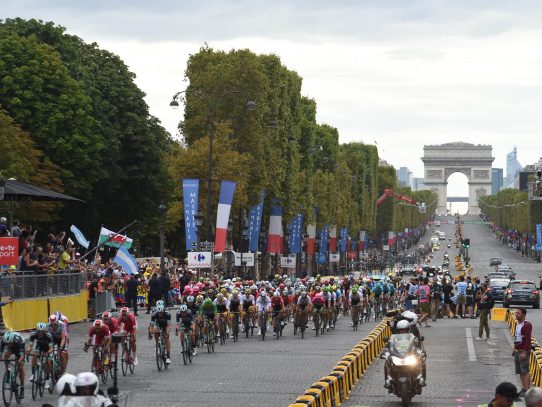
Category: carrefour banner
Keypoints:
(294, 241)
(190, 198)
(255, 224)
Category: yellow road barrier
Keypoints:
(334, 388)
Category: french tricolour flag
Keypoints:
(274, 243)
(227, 189)
(333, 238)
(311, 231)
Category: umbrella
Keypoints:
(15, 191)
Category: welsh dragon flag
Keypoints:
(116, 240)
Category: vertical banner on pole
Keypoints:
(294, 241)
(274, 244)
(539, 237)
(311, 231)
(343, 240)
(227, 189)
(324, 237)
(255, 224)
(362, 238)
(333, 238)
(190, 200)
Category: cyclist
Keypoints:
(59, 332)
(318, 302)
(160, 322)
(13, 344)
(355, 300)
(185, 323)
(264, 303)
(303, 303)
(41, 341)
(113, 325)
(248, 302)
(236, 303)
(128, 326)
(278, 308)
(222, 307)
(98, 334)
(63, 318)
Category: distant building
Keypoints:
(404, 177)
(383, 163)
(512, 168)
(496, 180)
(418, 184)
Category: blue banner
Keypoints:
(294, 240)
(321, 258)
(343, 233)
(255, 225)
(324, 238)
(190, 196)
(539, 236)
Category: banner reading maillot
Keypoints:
(343, 246)
(255, 224)
(324, 237)
(274, 244)
(190, 200)
(539, 237)
(227, 189)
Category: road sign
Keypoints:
(288, 261)
(247, 258)
(199, 260)
(334, 257)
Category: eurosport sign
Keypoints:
(9, 251)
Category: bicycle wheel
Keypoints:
(276, 327)
(131, 365)
(316, 320)
(159, 360)
(42, 382)
(184, 350)
(7, 391)
(212, 338)
(16, 386)
(189, 348)
(222, 332)
(53, 374)
(124, 361)
(246, 324)
(35, 385)
(264, 326)
(163, 350)
(104, 371)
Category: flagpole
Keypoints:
(109, 239)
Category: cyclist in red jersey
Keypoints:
(128, 323)
(98, 334)
(113, 326)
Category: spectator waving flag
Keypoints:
(126, 261)
(79, 237)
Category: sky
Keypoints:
(401, 74)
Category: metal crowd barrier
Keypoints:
(335, 388)
(535, 360)
(19, 286)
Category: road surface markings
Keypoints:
(470, 345)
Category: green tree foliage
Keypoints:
(81, 106)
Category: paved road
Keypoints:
(454, 379)
(248, 373)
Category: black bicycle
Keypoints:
(11, 383)
(38, 373)
(186, 346)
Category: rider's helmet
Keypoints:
(190, 298)
(410, 315)
(235, 293)
(317, 288)
(106, 315)
(160, 308)
(276, 294)
(263, 293)
(53, 319)
(41, 326)
(355, 289)
(65, 386)
(159, 302)
(98, 323)
(183, 308)
(303, 293)
(199, 298)
(247, 291)
(124, 310)
(8, 337)
(220, 296)
(86, 384)
(403, 327)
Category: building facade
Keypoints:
(404, 177)
(496, 180)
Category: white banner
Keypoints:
(288, 262)
(247, 258)
(385, 247)
(334, 257)
(199, 260)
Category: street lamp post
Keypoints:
(286, 246)
(199, 223)
(162, 212)
(213, 102)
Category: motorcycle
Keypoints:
(404, 368)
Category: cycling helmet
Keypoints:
(124, 310)
(190, 298)
(276, 294)
(86, 384)
(159, 302)
(235, 293)
(41, 326)
(403, 325)
(285, 292)
(160, 308)
(8, 337)
(183, 308)
(220, 296)
(410, 315)
(195, 290)
(98, 323)
(65, 386)
(317, 288)
(247, 291)
(199, 298)
(303, 293)
(264, 293)
(106, 315)
(53, 319)
(354, 290)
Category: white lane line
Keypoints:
(470, 345)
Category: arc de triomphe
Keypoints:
(441, 161)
